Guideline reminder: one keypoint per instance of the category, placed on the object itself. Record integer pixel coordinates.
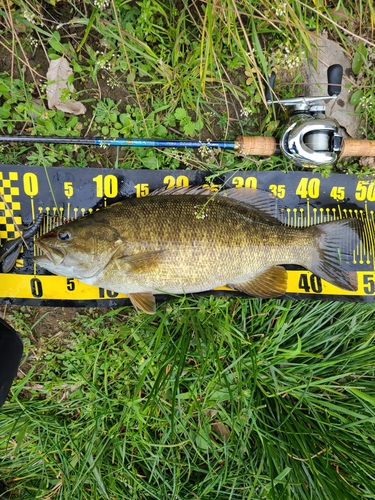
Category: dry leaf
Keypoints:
(221, 430)
(367, 161)
(58, 73)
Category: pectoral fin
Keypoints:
(143, 302)
(136, 263)
(271, 283)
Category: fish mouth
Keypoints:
(54, 255)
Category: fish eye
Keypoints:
(64, 236)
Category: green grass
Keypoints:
(209, 398)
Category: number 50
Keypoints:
(368, 284)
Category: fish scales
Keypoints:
(187, 242)
(204, 243)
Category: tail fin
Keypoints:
(336, 244)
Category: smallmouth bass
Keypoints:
(189, 240)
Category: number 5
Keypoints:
(68, 189)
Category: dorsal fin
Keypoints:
(263, 201)
(183, 190)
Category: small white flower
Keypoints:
(206, 151)
(34, 42)
(246, 111)
(280, 9)
(29, 16)
(366, 102)
(102, 4)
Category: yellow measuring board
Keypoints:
(68, 193)
(53, 288)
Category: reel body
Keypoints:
(310, 138)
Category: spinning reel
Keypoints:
(309, 137)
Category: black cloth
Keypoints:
(11, 349)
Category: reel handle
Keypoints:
(334, 75)
(268, 91)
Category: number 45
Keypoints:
(337, 192)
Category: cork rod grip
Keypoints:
(262, 146)
(357, 147)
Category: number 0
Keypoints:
(30, 184)
(36, 287)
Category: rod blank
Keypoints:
(129, 142)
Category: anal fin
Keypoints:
(271, 283)
(143, 302)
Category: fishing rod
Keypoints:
(309, 138)
(129, 142)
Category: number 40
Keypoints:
(310, 283)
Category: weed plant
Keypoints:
(167, 69)
(210, 398)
